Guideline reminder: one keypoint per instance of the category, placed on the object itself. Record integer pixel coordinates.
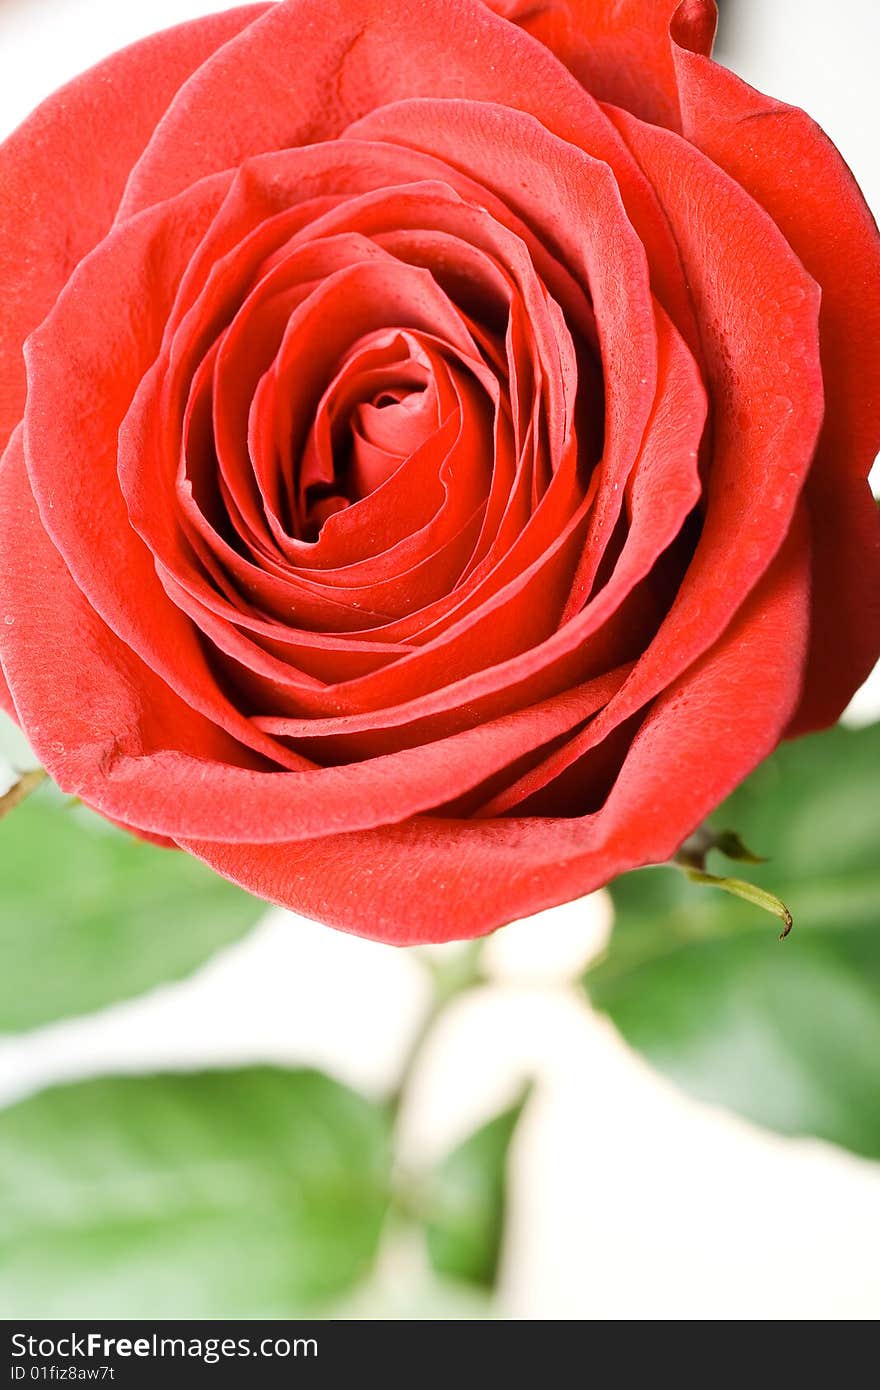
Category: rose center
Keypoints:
(379, 409)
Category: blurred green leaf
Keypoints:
(787, 1033)
(416, 1295)
(90, 915)
(463, 1202)
(252, 1193)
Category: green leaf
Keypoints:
(90, 915)
(463, 1202)
(749, 892)
(787, 1033)
(252, 1193)
(415, 1294)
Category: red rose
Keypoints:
(436, 475)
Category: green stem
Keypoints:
(27, 782)
(451, 976)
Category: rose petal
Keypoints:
(621, 52)
(63, 171)
(105, 726)
(791, 168)
(665, 488)
(86, 349)
(368, 54)
(433, 880)
(96, 700)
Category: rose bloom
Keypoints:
(436, 439)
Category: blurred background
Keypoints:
(627, 1197)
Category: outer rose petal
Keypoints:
(110, 690)
(437, 880)
(63, 171)
(105, 557)
(792, 169)
(310, 68)
(105, 726)
(367, 54)
(620, 51)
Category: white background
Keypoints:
(628, 1200)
